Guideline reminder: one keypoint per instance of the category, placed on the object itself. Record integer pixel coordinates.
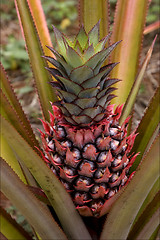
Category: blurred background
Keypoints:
(64, 15)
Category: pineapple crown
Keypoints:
(83, 85)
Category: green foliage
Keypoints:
(14, 55)
(153, 13)
(20, 219)
(62, 12)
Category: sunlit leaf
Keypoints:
(91, 11)
(36, 214)
(38, 64)
(125, 209)
(135, 88)
(128, 26)
(10, 228)
(50, 184)
(147, 128)
(11, 97)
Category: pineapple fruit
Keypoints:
(84, 145)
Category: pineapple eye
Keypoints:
(114, 177)
(126, 163)
(102, 156)
(95, 188)
(57, 159)
(99, 173)
(61, 132)
(116, 161)
(114, 144)
(76, 153)
(111, 193)
(85, 180)
(92, 165)
(113, 131)
(69, 171)
(66, 143)
(51, 145)
(65, 184)
(54, 170)
(124, 180)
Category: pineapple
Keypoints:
(84, 144)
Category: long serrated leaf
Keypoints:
(147, 128)
(52, 187)
(10, 228)
(156, 233)
(37, 215)
(145, 218)
(8, 154)
(125, 209)
(149, 227)
(128, 26)
(91, 11)
(10, 114)
(35, 51)
(149, 198)
(134, 91)
(11, 97)
(41, 24)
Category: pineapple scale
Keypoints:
(92, 162)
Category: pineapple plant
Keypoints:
(87, 158)
(84, 144)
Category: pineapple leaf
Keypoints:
(73, 109)
(14, 103)
(150, 226)
(35, 52)
(86, 102)
(128, 26)
(73, 58)
(94, 35)
(10, 228)
(70, 86)
(92, 111)
(146, 128)
(61, 60)
(125, 207)
(52, 187)
(80, 74)
(149, 198)
(61, 43)
(146, 218)
(11, 115)
(28, 204)
(56, 64)
(96, 80)
(100, 58)
(82, 38)
(91, 11)
(89, 52)
(69, 97)
(134, 91)
(101, 44)
(41, 24)
(11, 158)
(88, 92)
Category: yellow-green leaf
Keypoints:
(10, 228)
(36, 214)
(125, 209)
(128, 26)
(54, 190)
(35, 51)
